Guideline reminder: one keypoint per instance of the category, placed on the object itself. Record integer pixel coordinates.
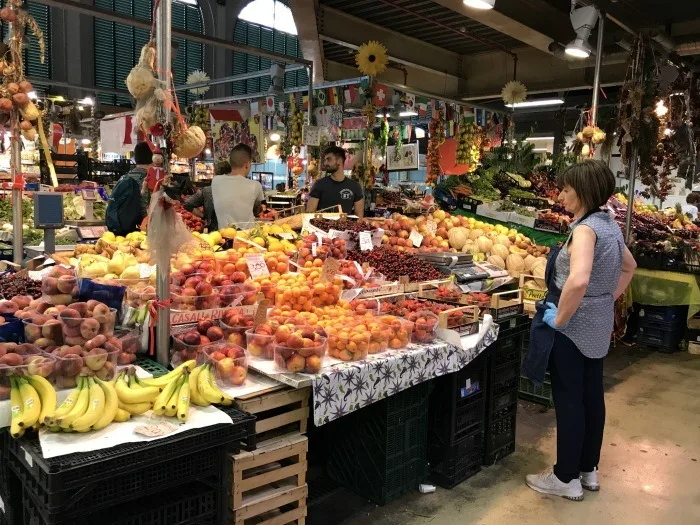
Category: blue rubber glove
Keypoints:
(550, 315)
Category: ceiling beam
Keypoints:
(304, 13)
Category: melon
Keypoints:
(514, 265)
(484, 244)
(500, 250)
(467, 246)
(529, 261)
(496, 261)
(457, 237)
(475, 234)
(504, 240)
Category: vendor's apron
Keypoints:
(541, 334)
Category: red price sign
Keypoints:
(256, 265)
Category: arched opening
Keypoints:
(255, 27)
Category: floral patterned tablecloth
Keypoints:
(348, 386)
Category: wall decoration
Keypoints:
(372, 59)
(330, 120)
(408, 159)
(228, 134)
(514, 92)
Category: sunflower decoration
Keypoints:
(196, 77)
(371, 59)
(514, 92)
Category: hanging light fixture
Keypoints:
(480, 4)
(661, 108)
(583, 20)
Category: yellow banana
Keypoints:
(111, 405)
(30, 402)
(164, 380)
(79, 408)
(209, 391)
(15, 409)
(195, 396)
(67, 405)
(133, 396)
(47, 394)
(122, 415)
(95, 410)
(171, 407)
(135, 409)
(161, 402)
(183, 401)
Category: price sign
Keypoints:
(285, 235)
(366, 241)
(256, 265)
(332, 234)
(431, 226)
(416, 238)
(313, 249)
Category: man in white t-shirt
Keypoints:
(691, 205)
(237, 199)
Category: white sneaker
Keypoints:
(549, 483)
(589, 480)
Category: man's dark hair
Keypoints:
(692, 198)
(143, 153)
(222, 167)
(240, 155)
(592, 181)
(336, 151)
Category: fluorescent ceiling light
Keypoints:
(274, 137)
(537, 103)
(480, 4)
(533, 139)
(540, 149)
(408, 113)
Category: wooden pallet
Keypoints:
(279, 410)
(269, 484)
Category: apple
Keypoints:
(215, 333)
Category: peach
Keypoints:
(295, 341)
(52, 329)
(49, 285)
(89, 328)
(96, 358)
(83, 308)
(71, 318)
(215, 333)
(296, 363)
(32, 332)
(96, 342)
(204, 324)
(65, 283)
(203, 288)
(71, 365)
(238, 375)
(11, 360)
(224, 365)
(192, 338)
(235, 352)
(100, 309)
(106, 372)
(44, 342)
(22, 301)
(62, 299)
(75, 341)
(126, 358)
(40, 366)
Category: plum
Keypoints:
(89, 328)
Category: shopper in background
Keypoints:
(572, 327)
(204, 199)
(127, 207)
(237, 199)
(691, 205)
(336, 189)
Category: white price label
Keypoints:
(146, 270)
(313, 249)
(286, 235)
(332, 234)
(431, 225)
(416, 238)
(256, 265)
(366, 241)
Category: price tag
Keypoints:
(286, 235)
(431, 226)
(332, 234)
(256, 265)
(366, 241)
(313, 249)
(160, 428)
(416, 238)
(146, 270)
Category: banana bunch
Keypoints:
(203, 389)
(32, 400)
(134, 397)
(92, 405)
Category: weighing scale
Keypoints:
(89, 229)
(48, 216)
(462, 266)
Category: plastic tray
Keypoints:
(379, 452)
(541, 395)
(449, 466)
(74, 471)
(191, 504)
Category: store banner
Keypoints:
(381, 94)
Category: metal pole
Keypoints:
(16, 169)
(163, 45)
(311, 94)
(630, 195)
(598, 65)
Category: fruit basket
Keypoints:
(229, 360)
(348, 342)
(44, 331)
(302, 352)
(188, 340)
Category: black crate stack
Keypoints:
(503, 384)
(662, 327)
(456, 430)
(379, 452)
(180, 479)
(10, 487)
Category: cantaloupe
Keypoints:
(457, 237)
(503, 240)
(514, 265)
(500, 250)
(484, 244)
(475, 234)
(497, 261)
(529, 261)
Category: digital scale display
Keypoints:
(48, 210)
(88, 194)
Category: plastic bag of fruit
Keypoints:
(166, 230)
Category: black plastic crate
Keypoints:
(661, 338)
(669, 315)
(75, 471)
(380, 452)
(499, 437)
(450, 466)
(503, 404)
(513, 326)
(191, 504)
(199, 466)
(457, 403)
(10, 486)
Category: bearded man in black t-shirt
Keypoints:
(336, 189)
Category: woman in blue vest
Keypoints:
(572, 327)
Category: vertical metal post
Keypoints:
(311, 94)
(164, 48)
(598, 65)
(630, 194)
(16, 169)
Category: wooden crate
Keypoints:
(269, 484)
(279, 410)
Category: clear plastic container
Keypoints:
(234, 333)
(424, 325)
(6, 374)
(140, 294)
(87, 331)
(231, 363)
(73, 362)
(43, 331)
(128, 344)
(290, 357)
(59, 286)
(396, 332)
(191, 339)
(349, 343)
(260, 344)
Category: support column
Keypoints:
(598, 65)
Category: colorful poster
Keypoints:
(408, 161)
(330, 119)
(228, 134)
